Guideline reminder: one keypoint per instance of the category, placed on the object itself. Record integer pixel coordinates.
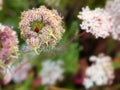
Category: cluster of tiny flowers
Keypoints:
(100, 73)
(41, 28)
(51, 72)
(98, 22)
(1, 4)
(8, 45)
(16, 73)
(113, 7)
(52, 2)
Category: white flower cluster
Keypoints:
(113, 7)
(98, 22)
(100, 73)
(51, 72)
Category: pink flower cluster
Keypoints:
(8, 44)
(98, 22)
(41, 27)
(17, 73)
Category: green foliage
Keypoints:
(110, 46)
(70, 58)
(10, 15)
(70, 55)
(116, 65)
(27, 84)
(94, 3)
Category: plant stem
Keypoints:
(62, 47)
(72, 39)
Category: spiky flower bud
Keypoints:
(41, 27)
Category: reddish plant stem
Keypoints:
(72, 39)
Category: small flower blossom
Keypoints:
(51, 72)
(98, 22)
(41, 27)
(34, 43)
(99, 73)
(1, 4)
(8, 44)
(113, 7)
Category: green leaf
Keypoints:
(70, 58)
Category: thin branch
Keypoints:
(72, 39)
(26, 51)
(62, 47)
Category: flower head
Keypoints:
(99, 73)
(8, 44)
(113, 7)
(98, 22)
(51, 72)
(41, 27)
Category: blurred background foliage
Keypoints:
(73, 52)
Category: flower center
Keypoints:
(36, 26)
(36, 30)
